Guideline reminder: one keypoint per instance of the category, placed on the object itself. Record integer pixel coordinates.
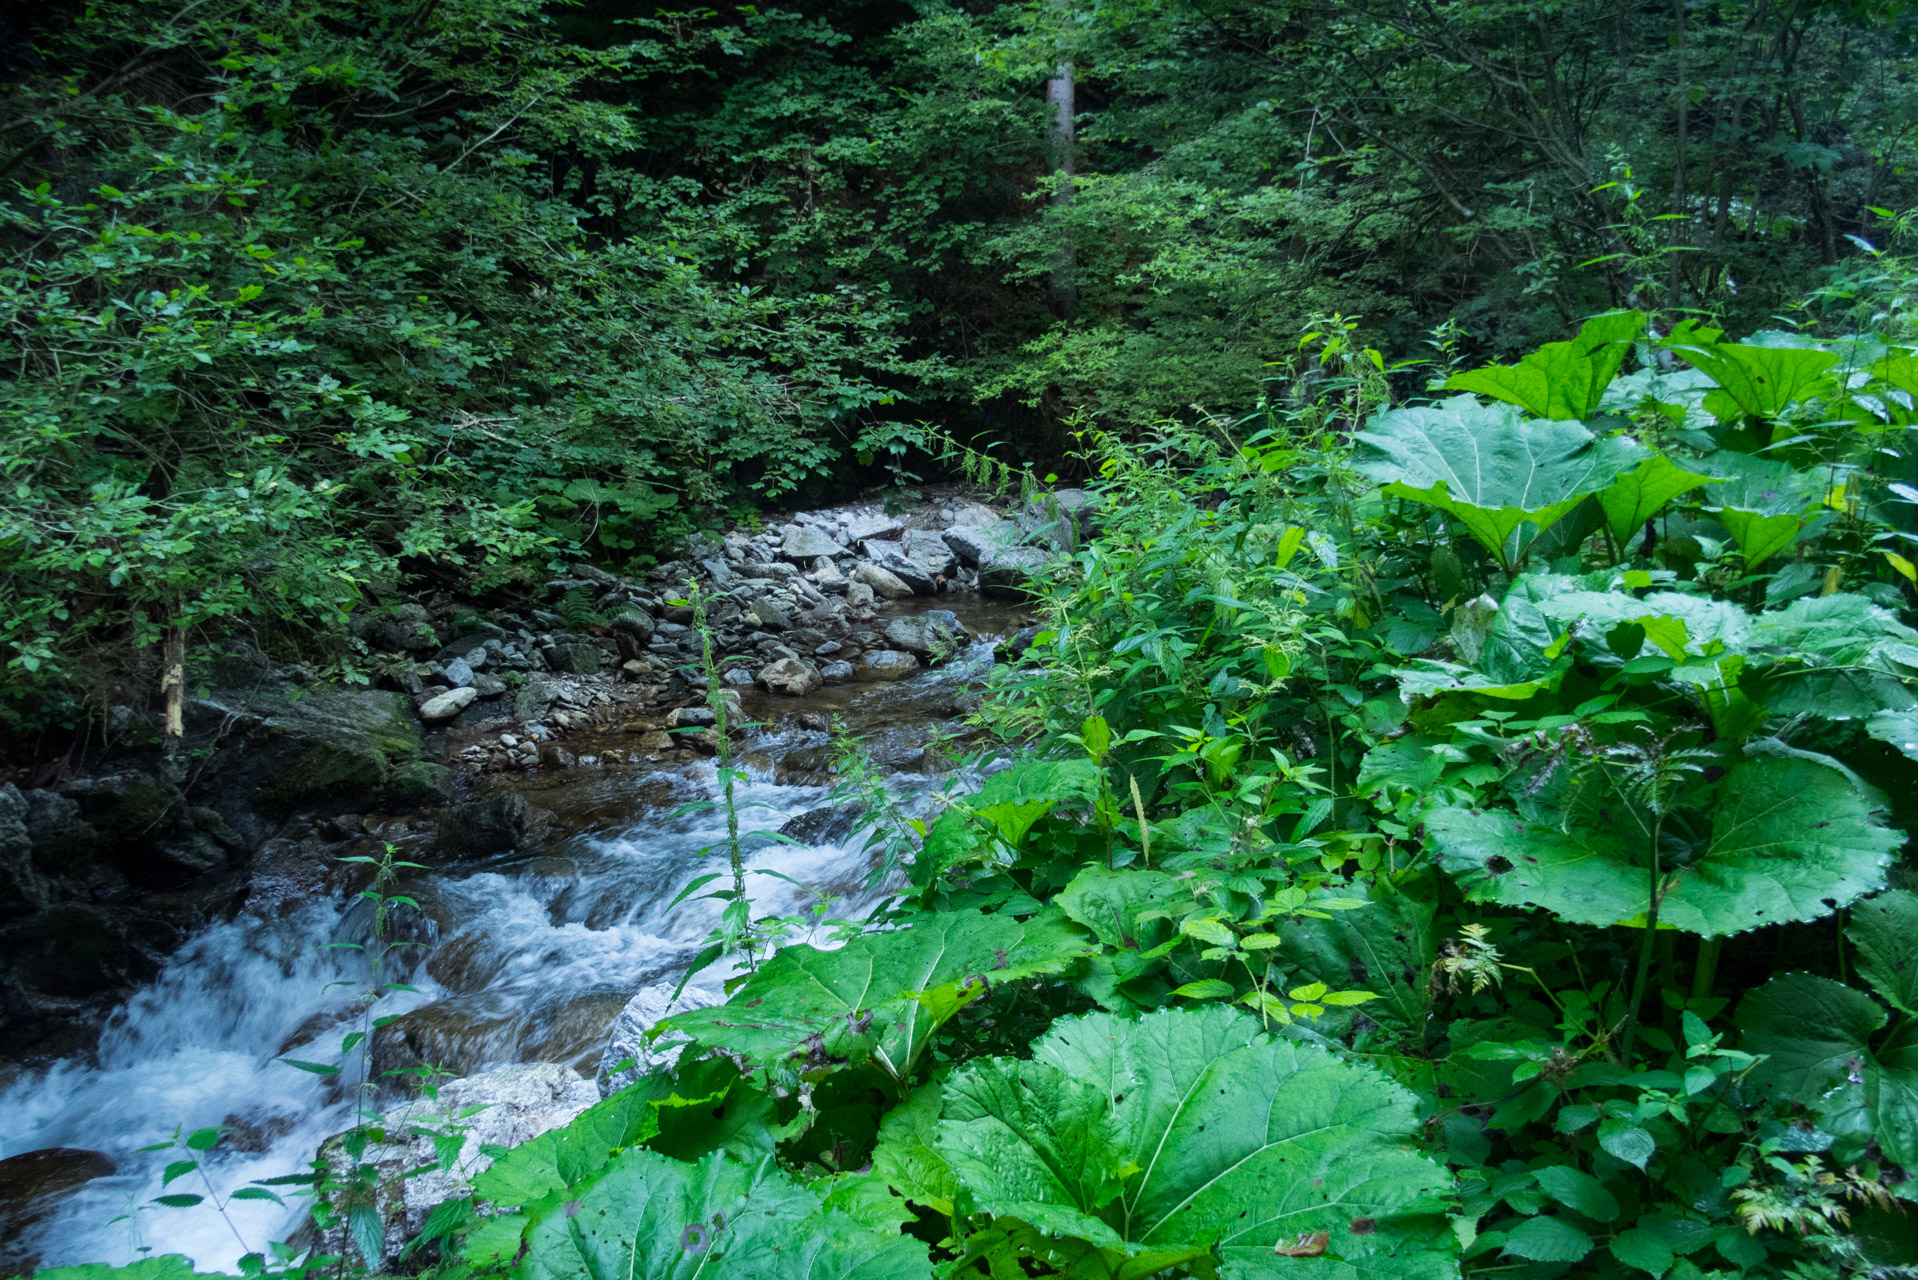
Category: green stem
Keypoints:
(1705, 972)
(1645, 949)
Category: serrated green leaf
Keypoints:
(1561, 379)
(1576, 1189)
(1810, 1030)
(1641, 493)
(1763, 381)
(569, 1155)
(1884, 928)
(1790, 838)
(1548, 1240)
(1627, 1141)
(1187, 1130)
(648, 1217)
(879, 997)
(1643, 1250)
(1899, 729)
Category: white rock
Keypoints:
(628, 1039)
(508, 1107)
(448, 705)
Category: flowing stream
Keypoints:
(526, 958)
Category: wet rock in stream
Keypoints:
(629, 1053)
(501, 1108)
(32, 1185)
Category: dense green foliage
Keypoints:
(1459, 812)
(1454, 835)
(305, 299)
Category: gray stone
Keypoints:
(488, 1111)
(973, 543)
(738, 678)
(930, 551)
(458, 672)
(448, 704)
(764, 612)
(533, 698)
(925, 635)
(1006, 572)
(892, 558)
(859, 595)
(879, 581)
(888, 664)
(872, 524)
(488, 686)
(717, 569)
(629, 1040)
(495, 824)
(792, 677)
(804, 542)
(829, 825)
(827, 577)
(22, 888)
(406, 628)
(690, 717)
(836, 672)
(574, 658)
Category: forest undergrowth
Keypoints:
(1455, 831)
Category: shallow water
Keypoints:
(525, 958)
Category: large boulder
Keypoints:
(484, 1113)
(887, 664)
(861, 525)
(892, 558)
(533, 699)
(829, 825)
(145, 825)
(935, 633)
(793, 677)
(70, 952)
(805, 543)
(407, 628)
(495, 824)
(1007, 572)
(880, 581)
(33, 1186)
(630, 1053)
(973, 543)
(929, 551)
(23, 889)
(275, 754)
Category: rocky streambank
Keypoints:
(108, 862)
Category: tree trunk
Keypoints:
(173, 692)
(1060, 97)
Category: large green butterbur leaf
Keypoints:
(882, 995)
(1641, 493)
(1564, 380)
(1817, 1037)
(1761, 503)
(648, 1217)
(1760, 382)
(1791, 839)
(1490, 467)
(1167, 1137)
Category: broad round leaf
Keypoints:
(1188, 1129)
(1792, 839)
(1885, 931)
(648, 1217)
(1490, 467)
